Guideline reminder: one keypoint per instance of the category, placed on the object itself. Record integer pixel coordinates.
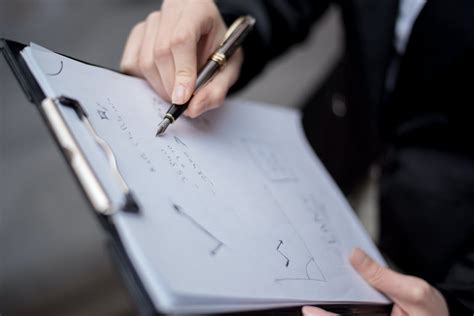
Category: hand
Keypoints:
(169, 47)
(411, 295)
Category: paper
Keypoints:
(236, 210)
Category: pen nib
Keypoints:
(162, 127)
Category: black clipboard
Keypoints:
(12, 52)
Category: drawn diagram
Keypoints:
(300, 265)
(107, 110)
(312, 273)
(102, 115)
(320, 217)
(57, 72)
(218, 244)
(317, 211)
(280, 243)
(270, 161)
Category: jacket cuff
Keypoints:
(253, 46)
(455, 307)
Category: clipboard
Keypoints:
(97, 195)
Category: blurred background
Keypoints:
(53, 259)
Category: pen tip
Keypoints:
(162, 127)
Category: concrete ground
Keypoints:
(52, 255)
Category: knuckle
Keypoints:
(185, 72)
(181, 38)
(212, 10)
(146, 65)
(234, 77)
(218, 97)
(160, 51)
(421, 292)
(126, 67)
(153, 16)
(193, 111)
(137, 27)
(219, 102)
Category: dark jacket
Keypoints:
(421, 129)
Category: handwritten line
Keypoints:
(219, 243)
(281, 253)
(308, 276)
(179, 141)
(58, 72)
(216, 249)
(282, 210)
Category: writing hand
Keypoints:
(169, 47)
(411, 295)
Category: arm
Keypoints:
(280, 24)
(457, 286)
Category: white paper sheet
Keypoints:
(236, 210)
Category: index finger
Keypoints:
(184, 45)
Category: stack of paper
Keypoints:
(237, 212)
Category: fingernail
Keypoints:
(357, 257)
(179, 94)
(308, 311)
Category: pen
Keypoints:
(232, 40)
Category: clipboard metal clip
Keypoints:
(79, 163)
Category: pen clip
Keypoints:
(232, 28)
(235, 25)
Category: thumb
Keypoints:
(315, 311)
(397, 286)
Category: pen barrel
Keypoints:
(237, 33)
(236, 36)
(206, 74)
(176, 110)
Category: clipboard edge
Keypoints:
(126, 269)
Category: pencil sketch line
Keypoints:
(102, 115)
(214, 251)
(219, 243)
(299, 279)
(272, 165)
(57, 72)
(312, 259)
(308, 276)
(317, 267)
(179, 141)
(281, 253)
(277, 203)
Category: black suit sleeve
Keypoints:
(458, 285)
(280, 24)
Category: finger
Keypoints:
(399, 287)
(184, 44)
(398, 311)
(315, 311)
(211, 35)
(146, 59)
(129, 62)
(184, 51)
(170, 14)
(213, 94)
